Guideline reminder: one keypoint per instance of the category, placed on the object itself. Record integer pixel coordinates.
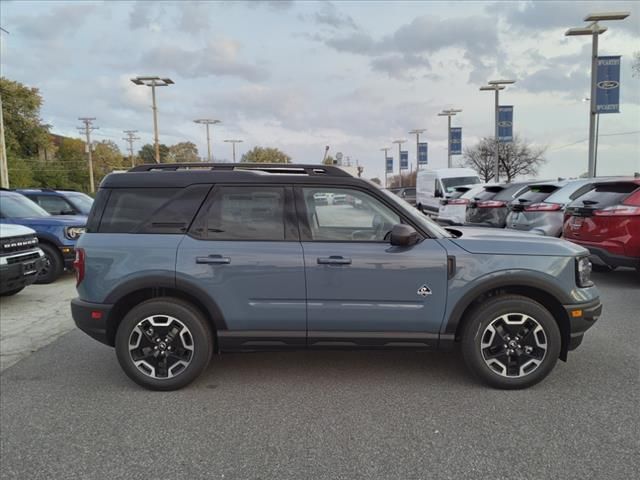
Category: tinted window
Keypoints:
(488, 193)
(410, 191)
(606, 195)
(537, 193)
(52, 204)
(449, 183)
(151, 210)
(82, 202)
(349, 215)
(246, 213)
(510, 192)
(18, 206)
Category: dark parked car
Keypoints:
(179, 263)
(59, 202)
(606, 220)
(490, 207)
(57, 234)
(408, 194)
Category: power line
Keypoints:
(602, 135)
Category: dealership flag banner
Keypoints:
(455, 142)
(389, 164)
(404, 160)
(505, 123)
(423, 149)
(608, 85)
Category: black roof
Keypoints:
(185, 174)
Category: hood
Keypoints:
(53, 221)
(497, 241)
(8, 230)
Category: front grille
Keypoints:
(17, 244)
(23, 258)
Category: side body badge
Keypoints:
(423, 291)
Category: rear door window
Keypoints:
(537, 193)
(52, 204)
(607, 194)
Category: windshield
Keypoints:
(450, 183)
(419, 217)
(82, 202)
(17, 206)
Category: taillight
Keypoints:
(618, 211)
(490, 204)
(78, 265)
(543, 207)
(458, 201)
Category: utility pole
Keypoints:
(4, 170)
(400, 142)
(233, 143)
(496, 86)
(594, 30)
(88, 128)
(417, 133)
(449, 113)
(385, 150)
(206, 122)
(154, 82)
(130, 138)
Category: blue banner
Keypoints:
(608, 85)
(423, 149)
(404, 160)
(455, 142)
(505, 123)
(389, 164)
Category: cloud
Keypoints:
(276, 5)
(399, 66)
(217, 58)
(146, 15)
(194, 16)
(55, 25)
(331, 16)
(359, 43)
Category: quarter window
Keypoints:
(246, 213)
(336, 214)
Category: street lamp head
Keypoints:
(501, 82)
(399, 141)
(493, 88)
(205, 121)
(576, 31)
(596, 17)
(233, 141)
(152, 81)
(418, 130)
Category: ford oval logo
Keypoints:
(504, 124)
(608, 84)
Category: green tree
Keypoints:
(20, 172)
(265, 155)
(107, 158)
(183, 152)
(147, 153)
(71, 156)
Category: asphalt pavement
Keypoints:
(67, 411)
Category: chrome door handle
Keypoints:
(214, 260)
(334, 260)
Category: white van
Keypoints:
(433, 185)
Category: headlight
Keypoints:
(583, 272)
(72, 233)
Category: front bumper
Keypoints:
(92, 319)
(582, 316)
(14, 276)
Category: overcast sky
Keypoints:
(302, 75)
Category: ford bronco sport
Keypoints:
(181, 260)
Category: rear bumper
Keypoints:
(601, 256)
(582, 317)
(92, 319)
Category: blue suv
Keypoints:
(180, 261)
(59, 202)
(57, 235)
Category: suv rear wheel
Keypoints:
(511, 342)
(164, 344)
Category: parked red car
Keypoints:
(606, 220)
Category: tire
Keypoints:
(173, 374)
(11, 292)
(523, 367)
(54, 264)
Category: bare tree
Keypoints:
(516, 158)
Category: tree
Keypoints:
(107, 158)
(183, 152)
(376, 180)
(265, 155)
(71, 156)
(408, 180)
(148, 153)
(515, 158)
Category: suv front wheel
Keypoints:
(164, 344)
(511, 342)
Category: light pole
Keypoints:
(154, 82)
(449, 113)
(385, 150)
(496, 86)
(233, 143)
(207, 122)
(400, 142)
(594, 30)
(417, 132)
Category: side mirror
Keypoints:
(437, 193)
(404, 235)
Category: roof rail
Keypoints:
(281, 168)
